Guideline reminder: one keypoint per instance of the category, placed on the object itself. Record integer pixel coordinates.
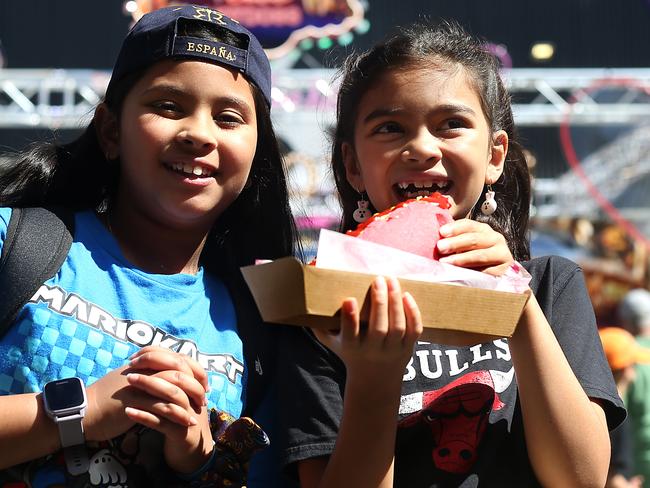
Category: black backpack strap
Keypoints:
(37, 243)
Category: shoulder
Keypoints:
(556, 265)
(553, 272)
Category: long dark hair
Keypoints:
(417, 46)
(78, 176)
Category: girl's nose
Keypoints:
(423, 147)
(199, 132)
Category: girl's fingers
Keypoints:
(469, 241)
(461, 226)
(176, 410)
(479, 258)
(189, 384)
(350, 321)
(378, 320)
(171, 386)
(396, 318)
(159, 359)
(157, 422)
(392, 318)
(472, 244)
(348, 334)
(159, 389)
(414, 325)
(497, 270)
(168, 412)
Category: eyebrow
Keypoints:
(238, 102)
(445, 108)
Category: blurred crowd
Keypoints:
(627, 348)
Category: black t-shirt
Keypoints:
(622, 456)
(459, 419)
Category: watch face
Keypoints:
(64, 394)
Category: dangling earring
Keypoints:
(361, 214)
(489, 206)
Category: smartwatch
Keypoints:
(65, 403)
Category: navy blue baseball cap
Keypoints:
(156, 36)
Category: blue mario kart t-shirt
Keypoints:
(95, 313)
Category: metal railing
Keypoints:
(304, 102)
(58, 98)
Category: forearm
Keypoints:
(566, 434)
(365, 447)
(26, 432)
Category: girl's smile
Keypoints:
(192, 172)
(420, 131)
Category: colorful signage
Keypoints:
(279, 24)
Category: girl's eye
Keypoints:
(451, 124)
(167, 106)
(388, 128)
(229, 119)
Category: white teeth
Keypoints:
(190, 169)
(422, 184)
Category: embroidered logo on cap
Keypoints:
(205, 48)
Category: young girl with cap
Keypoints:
(175, 184)
(426, 111)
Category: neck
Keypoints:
(154, 246)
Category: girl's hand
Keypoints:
(105, 417)
(476, 245)
(177, 369)
(157, 384)
(176, 386)
(393, 326)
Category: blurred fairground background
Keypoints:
(578, 72)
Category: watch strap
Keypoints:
(71, 430)
(76, 459)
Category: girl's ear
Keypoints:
(107, 130)
(352, 171)
(498, 152)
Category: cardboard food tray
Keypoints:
(288, 292)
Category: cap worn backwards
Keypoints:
(156, 37)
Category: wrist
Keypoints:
(45, 424)
(375, 386)
(198, 465)
(65, 402)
